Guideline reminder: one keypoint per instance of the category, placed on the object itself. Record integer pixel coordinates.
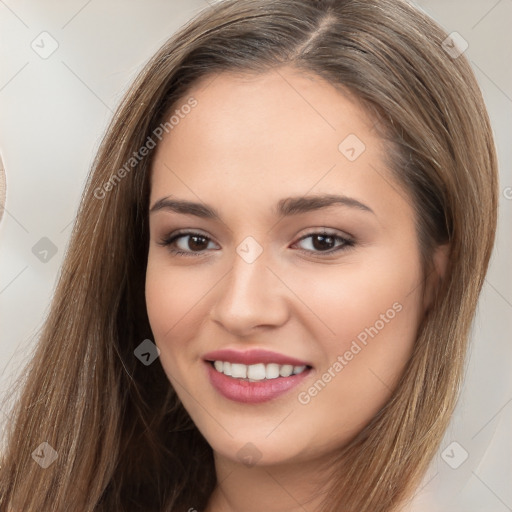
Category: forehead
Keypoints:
(284, 112)
(263, 136)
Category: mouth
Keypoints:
(254, 376)
(257, 372)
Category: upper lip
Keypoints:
(253, 356)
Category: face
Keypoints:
(301, 257)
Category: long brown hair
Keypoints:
(123, 439)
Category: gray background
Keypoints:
(53, 112)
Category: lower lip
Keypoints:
(253, 392)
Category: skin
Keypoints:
(251, 141)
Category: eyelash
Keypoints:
(166, 242)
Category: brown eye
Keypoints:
(326, 243)
(196, 243)
(186, 243)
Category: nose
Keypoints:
(250, 296)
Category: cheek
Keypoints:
(174, 299)
(363, 298)
(373, 311)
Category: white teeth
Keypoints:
(238, 371)
(257, 372)
(272, 371)
(286, 370)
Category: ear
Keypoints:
(436, 274)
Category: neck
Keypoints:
(277, 488)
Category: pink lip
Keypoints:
(247, 392)
(253, 356)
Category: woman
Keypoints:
(266, 300)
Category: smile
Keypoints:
(257, 372)
(253, 376)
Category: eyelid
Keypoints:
(182, 233)
(328, 232)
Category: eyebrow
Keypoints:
(284, 208)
